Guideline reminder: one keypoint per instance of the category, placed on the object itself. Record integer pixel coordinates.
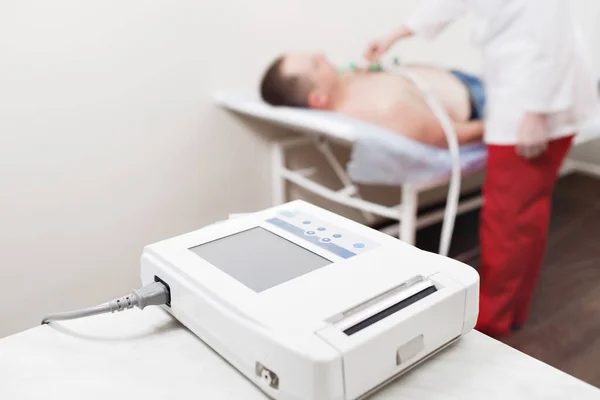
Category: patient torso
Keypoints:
(392, 101)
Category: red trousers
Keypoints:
(513, 229)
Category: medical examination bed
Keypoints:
(377, 158)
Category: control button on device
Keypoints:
(326, 240)
(306, 222)
(337, 236)
(320, 229)
(310, 233)
(359, 245)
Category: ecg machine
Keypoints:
(310, 305)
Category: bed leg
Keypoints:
(408, 221)
(277, 178)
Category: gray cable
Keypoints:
(153, 294)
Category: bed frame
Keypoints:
(406, 212)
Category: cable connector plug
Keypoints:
(153, 294)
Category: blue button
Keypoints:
(326, 240)
(359, 245)
(306, 222)
(321, 229)
(337, 236)
(310, 233)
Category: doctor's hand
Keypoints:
(532, 138)
(379, 47)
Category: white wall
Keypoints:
(109, 139)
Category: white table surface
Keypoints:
(148, 355)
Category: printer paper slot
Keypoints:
(382, 305)
(394, 308)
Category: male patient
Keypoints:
(383, 98)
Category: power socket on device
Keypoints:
(267, 376)
(168, 302)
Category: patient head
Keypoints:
(300, 80)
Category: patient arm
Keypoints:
(469, 131)
(419, 123)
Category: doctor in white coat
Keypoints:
(540, 88)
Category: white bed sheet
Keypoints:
(379, 156)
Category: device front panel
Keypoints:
(261, 260)
(266, 250)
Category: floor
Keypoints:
(564, 325)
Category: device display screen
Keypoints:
(259, 258)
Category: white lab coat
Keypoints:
(534, 59)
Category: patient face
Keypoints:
(318, 70)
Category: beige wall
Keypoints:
(109, 139)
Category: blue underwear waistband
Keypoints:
(476, 93)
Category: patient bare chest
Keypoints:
(379, 97)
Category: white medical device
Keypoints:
(310, 305)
